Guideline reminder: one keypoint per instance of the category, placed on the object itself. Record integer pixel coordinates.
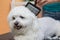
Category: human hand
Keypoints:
(40, 3)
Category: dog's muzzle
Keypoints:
(16, 26)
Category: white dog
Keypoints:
(26, 26)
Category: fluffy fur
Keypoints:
(29, 26)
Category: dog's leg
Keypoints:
(58, 30)
(30, 37)
(58, 34)
(38, 36)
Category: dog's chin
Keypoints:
(18, 27)
(19, 30)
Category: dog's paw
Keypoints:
(52, 38)
(18, 38)
(24, 38)
(56, 38)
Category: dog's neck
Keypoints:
(35, 25)
(33, 28)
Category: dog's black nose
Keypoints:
(16, 23)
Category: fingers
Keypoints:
(38, 1)
(42, 2)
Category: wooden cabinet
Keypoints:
(4, 10)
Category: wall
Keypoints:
(4, 10)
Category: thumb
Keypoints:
(41, 2)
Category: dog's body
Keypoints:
(50, 27)
(26, 26)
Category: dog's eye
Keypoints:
(13, 18)
(22, 17)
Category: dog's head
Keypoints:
(20, 19)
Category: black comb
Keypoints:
(33, 8)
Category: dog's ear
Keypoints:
(34, 17)
(9, 15)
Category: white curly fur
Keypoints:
(33, 28)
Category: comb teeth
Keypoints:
(33, 8)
